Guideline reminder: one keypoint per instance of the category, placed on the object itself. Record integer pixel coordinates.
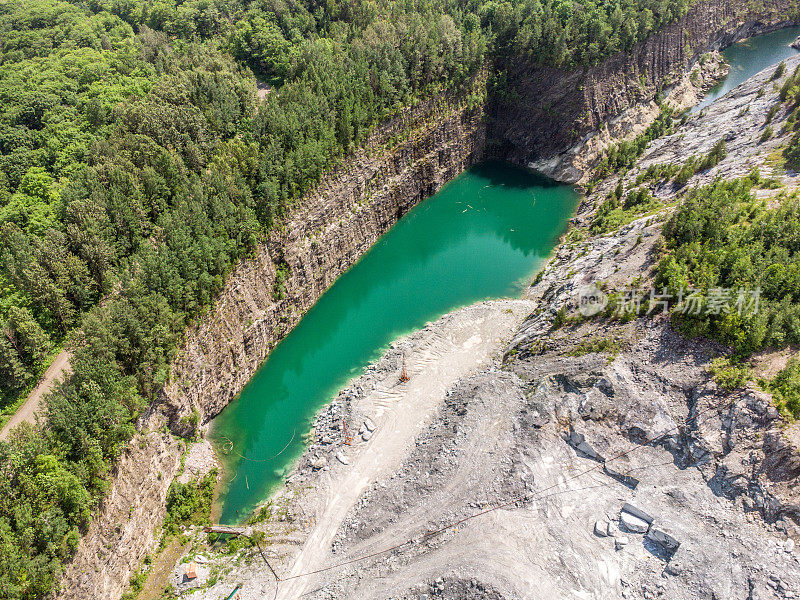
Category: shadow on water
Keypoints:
(498, 173)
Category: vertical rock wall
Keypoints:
(405, 161)
(548, 113)
(129, 523)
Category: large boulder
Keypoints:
(633, 524)
(796, 44)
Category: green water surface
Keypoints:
(484, 235)
(750, 57)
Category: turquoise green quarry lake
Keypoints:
(750, 57)
(484, 235)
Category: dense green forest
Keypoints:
(137, 164)
(722, 237)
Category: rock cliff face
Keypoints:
(550, 114)
(325, 234)
(129, 523)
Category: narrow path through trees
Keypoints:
(27, 412)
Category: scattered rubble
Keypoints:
(667, 543)
(601, 528)
(200, 460)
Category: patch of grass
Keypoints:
(538, 348)
(560, 318)
(615, 212)
(236, 543)
(191, 421)
(136, 584)
(686, 172)
(658, 173)
(189, 503)
(773, 110)
(764, 183)
(790, 94)
(728, 374)
(697, 165)
(264, 514)
(779, 71)
(622, 156)
(598, 345)
(776, 159)
(279, 288)
(785, 389)
(621, 309)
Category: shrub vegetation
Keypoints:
(721, 236)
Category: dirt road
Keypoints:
(469, 341)
(27, 412)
